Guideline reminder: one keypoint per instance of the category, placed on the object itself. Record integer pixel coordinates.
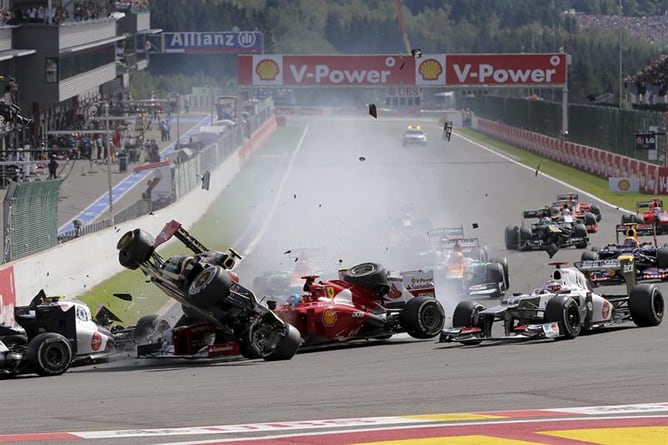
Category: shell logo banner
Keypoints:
(402, 70)
(620, 184)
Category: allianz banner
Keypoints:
(624, 184)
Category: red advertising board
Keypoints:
(267, 70)
(7, 296)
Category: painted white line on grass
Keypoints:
(558, 181)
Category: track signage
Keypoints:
(213, 42)
(405, 71)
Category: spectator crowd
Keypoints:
(75, 11)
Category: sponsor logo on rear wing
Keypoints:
(466, 243)
(447, 232)
(593, 265)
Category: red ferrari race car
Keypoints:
(655, 214)
(365, 303)
(579, 207)
(567, 205)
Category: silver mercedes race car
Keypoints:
(562, 307)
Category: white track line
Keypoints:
(279, 193)
(558, 181)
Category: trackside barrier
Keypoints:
(74, 267)
(653, 178)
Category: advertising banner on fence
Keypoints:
(394, 70)
(621, 184)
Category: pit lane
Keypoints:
(347, 180)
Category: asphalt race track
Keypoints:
(343, 191)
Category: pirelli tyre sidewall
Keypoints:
(565, 311)
(49, 354)
(210, 287)
(134, 248)
(422, 317)
(647, 305)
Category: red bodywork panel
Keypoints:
(320, 317)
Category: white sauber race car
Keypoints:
(562, 307)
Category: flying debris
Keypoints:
(475, 225)
(416, 53)
(373, 111)
(447, 130)
(287, 252)
(362, 158)
(536, 174)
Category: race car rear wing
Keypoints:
(465, 243)
(610, 272)
(641, 229)
(656, 202)
(538, 213)
(568, 197)
(447, 232)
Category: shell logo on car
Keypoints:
(328, 318)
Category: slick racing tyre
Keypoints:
(511, 237)
(589, 219)
(597, 212)
(506, 274)
(209, 288)
(422, 317)
(589, 255)
(563, 310)
(525, 235)
(646, 305)
(466, 315)
(662, 257)
(135, 247)
(367, 275)
(149, 329)
(269, 340)
(49, 353)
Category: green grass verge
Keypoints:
(593, 184)
(223, 223)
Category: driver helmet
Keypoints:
(630, 241)
(294, 299)
(552, 286)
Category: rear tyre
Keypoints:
(564, 310)
(422, 317)
(149, 329)
(646, 305)
(589, 255)
(589, 219)
(366, 275)
(494, 274)
(597, 212)
(210, 287)
(49, 354)
(511, 238)
(135, 248)
(526, 235)
(662, 257)
(506, 273)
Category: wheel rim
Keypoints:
(362, 269)
(125, 240)
(264, 338)
(55, 356)
(572, 317)
(658, 306)
(431, 318)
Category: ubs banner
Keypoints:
(392, 70)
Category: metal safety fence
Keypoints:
(30, 212)
(606, 128)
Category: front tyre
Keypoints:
(49, 354)
(209, 288)
(422, 317)
(563, 310)
(134, 248)
(646, 305)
